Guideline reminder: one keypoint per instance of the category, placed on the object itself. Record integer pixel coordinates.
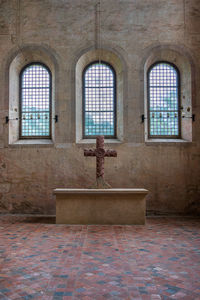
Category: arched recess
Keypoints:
(184, 65)
(20, 59)
(116, 63)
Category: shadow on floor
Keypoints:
(41, 220)
(28, 218)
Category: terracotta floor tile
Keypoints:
(160, 260)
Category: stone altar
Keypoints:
(102, 204)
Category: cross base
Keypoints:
(102, 184)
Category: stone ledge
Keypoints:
(100, 191)
(93, 141)
(32, 143)
(150, 142)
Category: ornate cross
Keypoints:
(100, 153)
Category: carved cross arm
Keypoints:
(111, 153)
(89, 152)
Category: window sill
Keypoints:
(33, 143)
(166, 141)
(93, 141)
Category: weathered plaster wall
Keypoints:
(130, 28)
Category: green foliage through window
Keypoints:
(163, 100)
(99, 100)
(35, 101)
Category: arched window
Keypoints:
(163, 101)
(35, 101)
(99, 100)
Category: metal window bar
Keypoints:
(163, 101)
(99, 100)
(35, 101)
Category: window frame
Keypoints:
(20, 103)
(179, 101)
(114, 136)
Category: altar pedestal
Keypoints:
(100, 206)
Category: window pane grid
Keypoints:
(163, 101)
(35, 101)
(99, 100)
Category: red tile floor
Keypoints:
(39, 260)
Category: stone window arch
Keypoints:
(27, 56)
(113, 60)
(99, 100)
(183, 65)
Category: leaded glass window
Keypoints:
(163, 101)
(99, 100)
(35, 101)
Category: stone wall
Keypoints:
(65, 30)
